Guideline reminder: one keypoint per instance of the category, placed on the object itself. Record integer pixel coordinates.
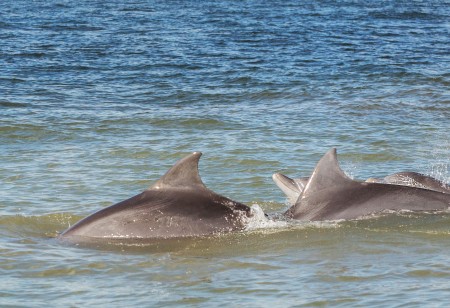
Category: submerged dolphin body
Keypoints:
(292, 188)
(177, 205)
(330, 195)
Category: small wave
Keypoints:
(428, 273)
(71, 26)
(29, 55)
(405, 15)
(190, 123)
(371, 157)
(12, 104)
(12, 80)
(36, 226)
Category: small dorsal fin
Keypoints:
(326, 174)
(183, 174)
(285, 183)
(292, 188)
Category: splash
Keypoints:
(259, 220)
(440, 166)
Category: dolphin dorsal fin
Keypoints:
(183, 174)
(292, 188)
(286, 184)
(326, 174)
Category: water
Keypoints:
(99, 98)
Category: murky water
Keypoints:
(98, 99)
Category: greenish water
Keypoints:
(98, 100)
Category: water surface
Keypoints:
(98, 99)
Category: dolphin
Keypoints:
(414, 179)
(292, 188)
(331, 195)
(177, 205)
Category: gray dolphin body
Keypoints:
(330, 195)
(413, 179)
(292, 188)
(177, 205)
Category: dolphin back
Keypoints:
(330, 195)
(415, 179)
(177, 205)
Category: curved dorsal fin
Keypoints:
(326, 174)
(183, 174)
(286, 184)
(292, 188)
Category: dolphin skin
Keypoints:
(177, 205)
(331, 195)
(413, 179)
(292, 188)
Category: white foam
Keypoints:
(260, 221)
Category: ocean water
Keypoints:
(99, 98)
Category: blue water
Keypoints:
(99, 98)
